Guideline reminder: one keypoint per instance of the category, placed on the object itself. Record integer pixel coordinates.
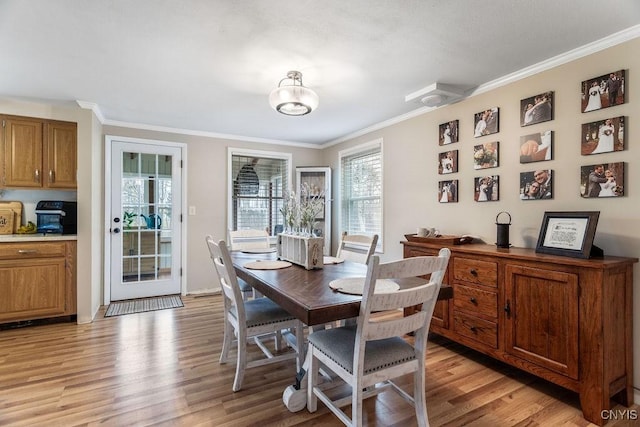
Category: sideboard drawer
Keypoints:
(483, 331)
(474, 300)
(475, 271)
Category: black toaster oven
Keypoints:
(56, 216)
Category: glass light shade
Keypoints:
(293, 100)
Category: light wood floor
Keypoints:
(161, 368)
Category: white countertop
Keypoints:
(36, 237)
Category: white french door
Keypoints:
(145, 219)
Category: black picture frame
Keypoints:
(607, 90)
(536, 109)
(603, 136)
(486, 122)
(448, 132)
(448, 162)
(569, 234)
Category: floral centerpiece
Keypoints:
(300, 213)
(297, 243)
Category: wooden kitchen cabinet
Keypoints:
(38, 153)
(37, 280)
(566, 320)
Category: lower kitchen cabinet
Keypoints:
(37, 280)
(566, 320)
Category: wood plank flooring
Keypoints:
(161, 369)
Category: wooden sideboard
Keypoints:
(563, 319)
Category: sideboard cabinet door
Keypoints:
(541, 313)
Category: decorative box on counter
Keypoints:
(6, 221)
(301, 250)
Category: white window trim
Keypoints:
(355, 150)
(232, 151)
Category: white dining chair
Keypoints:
(356, 247)
(251, 321)
(248, 239)
(371, 354)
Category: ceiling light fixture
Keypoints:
(292, 97)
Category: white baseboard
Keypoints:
(200, 292)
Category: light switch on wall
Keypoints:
(192, 210)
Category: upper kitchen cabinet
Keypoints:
(38, 153)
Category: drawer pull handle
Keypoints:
(473, 272)
(473, 300)
(27, 251)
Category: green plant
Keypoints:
(127, 219)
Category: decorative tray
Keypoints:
(441, 240)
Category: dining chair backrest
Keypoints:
(357, 247)
(228, 280)
(425, 294)
(248, 239)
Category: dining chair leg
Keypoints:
(226, 342)
(242, 361)
(356, 405)
(419, 398)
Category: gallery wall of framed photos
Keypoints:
(538, 133)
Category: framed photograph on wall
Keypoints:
(603, 136)
(448, 132)
(603, 91)
(448, 162)
(486, 155)
(448, 191)
(536, 109)
(486, 122)
(487, 188)
(536, 185)
(536, 147)
(602, 180)
(569, 234)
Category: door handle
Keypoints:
(116, 230)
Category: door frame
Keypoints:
(108, 141)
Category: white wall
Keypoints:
(411, 158)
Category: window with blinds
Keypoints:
(361, 191)
(258, 185)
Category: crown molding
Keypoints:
(588, 49)
(208, 134)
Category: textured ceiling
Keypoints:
(208, 66)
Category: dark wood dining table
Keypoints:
(306, 293)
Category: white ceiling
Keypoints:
(208, 66)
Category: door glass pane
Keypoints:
(146, 205)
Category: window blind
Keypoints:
(361, 192)
(258, 185)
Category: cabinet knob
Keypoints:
(473, 300)
(473, 272)
(473, 329)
